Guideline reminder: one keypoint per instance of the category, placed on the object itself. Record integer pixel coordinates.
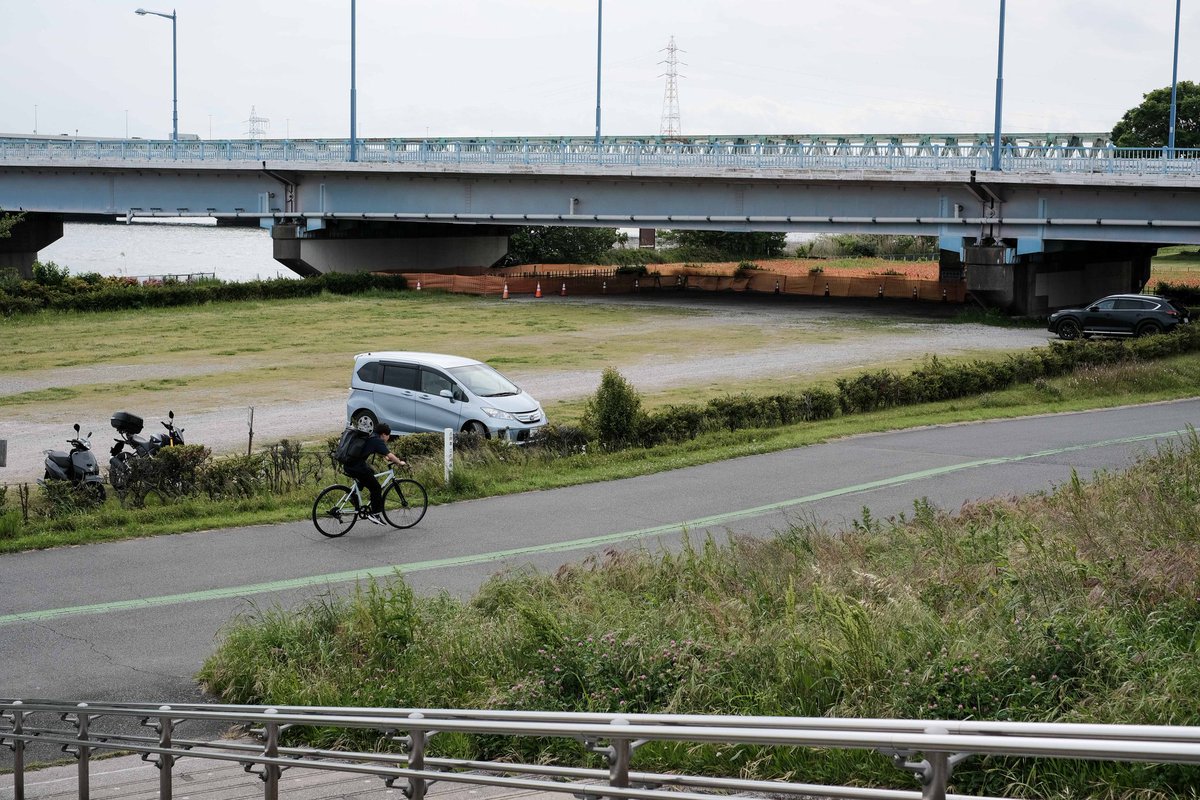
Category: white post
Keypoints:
(448, 452)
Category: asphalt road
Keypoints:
(134, 620)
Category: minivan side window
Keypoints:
(434, 382)
(401, 376)
(369, 372)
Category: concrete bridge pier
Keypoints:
(315, 247)
(27, 237)
(1032, 277)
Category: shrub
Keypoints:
(559, 440)
(49, 274)
(614, 413)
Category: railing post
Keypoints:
(271, 750)
(165, 760)
(618, 760)
(416, 758)
(934, 787)
(83, 754)
(18, 753)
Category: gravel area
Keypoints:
(225, 431)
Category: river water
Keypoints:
(144, 248)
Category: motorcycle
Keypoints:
(78, 466)
(129, 426)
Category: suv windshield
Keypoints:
(483, 381)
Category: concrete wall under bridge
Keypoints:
(1058, 275)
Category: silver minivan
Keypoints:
(423, 392)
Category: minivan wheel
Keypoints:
(477, 428)
(364, 421)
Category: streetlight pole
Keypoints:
(1174, 81)
(999, 93)
(599, 41)
(353, 91)
(174, 70)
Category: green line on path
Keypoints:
(557, 547)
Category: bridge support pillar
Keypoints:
(1034, 277)
(20, 249)
(354, 246)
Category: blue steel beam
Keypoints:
(1086, 206)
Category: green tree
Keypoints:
(613, 415)
(8, 222)
(726, 245)
(1148, 124)
(560, 245)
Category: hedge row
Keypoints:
(933, 381)
(113, 294)
(1188, 295)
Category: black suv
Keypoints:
(1118, 315)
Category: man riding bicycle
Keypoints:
(361, 471)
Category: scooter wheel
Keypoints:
(95, 492)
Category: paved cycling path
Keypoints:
(134, 620)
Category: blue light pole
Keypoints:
(174, 70)
(1174, 81)
(353, 91)
(599, 41)
(999, 93)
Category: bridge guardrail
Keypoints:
(404, 733)
(1016, 156)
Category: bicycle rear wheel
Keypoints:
(333, 513)
(404, 503)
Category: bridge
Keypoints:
(1067, 217)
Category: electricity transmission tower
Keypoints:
(670, 111)
(256, 126)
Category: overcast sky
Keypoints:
(528, 67)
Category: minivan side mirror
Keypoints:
(446, 393)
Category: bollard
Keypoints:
(447, 453)
(604, 287)
(418, 286)
(943, 295)
(827, 290)
(914, 293)
(635, 285)
(880, 291)
(563, 291)
(18, 747)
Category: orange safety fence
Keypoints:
(816, 285)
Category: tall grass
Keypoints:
(1078, 605)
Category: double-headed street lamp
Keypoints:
(174, 70)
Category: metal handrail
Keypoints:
(942, 743)
(1018, 154)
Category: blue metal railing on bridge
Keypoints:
(1054, 153)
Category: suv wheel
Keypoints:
(1147, 328)
(1069, 329)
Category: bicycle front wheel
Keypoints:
(404, 503)
(333, 513)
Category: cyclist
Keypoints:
(362, 472)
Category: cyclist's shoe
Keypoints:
(376, 518)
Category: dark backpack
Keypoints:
(351, 446)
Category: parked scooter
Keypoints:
(129, 426)
(78, 466)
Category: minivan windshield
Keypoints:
(483, 381)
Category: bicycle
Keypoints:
(338, 507)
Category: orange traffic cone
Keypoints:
(504, 294)
(563, 291)
(538, 291)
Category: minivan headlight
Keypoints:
(495, 412)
